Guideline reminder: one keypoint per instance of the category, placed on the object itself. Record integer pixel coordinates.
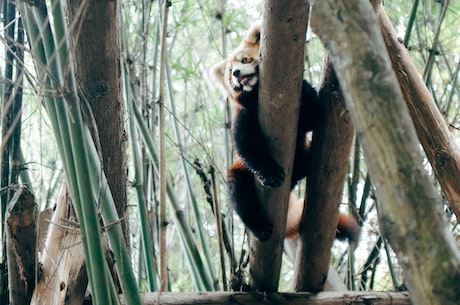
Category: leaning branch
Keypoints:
(410, 209)
(432, 129)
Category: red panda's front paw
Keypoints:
(272, 176)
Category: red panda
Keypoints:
(347, 227)
(238, 75)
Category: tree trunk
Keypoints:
(330, 151)
(96, 41)
(410, 208)
(284, 28)
(21, 235)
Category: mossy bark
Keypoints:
(410, 207)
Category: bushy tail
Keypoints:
(347, 226)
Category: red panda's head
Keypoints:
(240, 70)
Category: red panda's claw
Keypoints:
(272, 176)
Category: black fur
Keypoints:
(255, 159)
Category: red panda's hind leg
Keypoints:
(244, 201)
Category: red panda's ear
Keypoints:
(258, 37)
(218, 71)
(253, 35)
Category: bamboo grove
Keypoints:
(116, 141)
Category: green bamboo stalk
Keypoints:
(353, 175)
(434, 47)
(196, 211)
(73, 158)
(184, 230)
(78, 157)
(24, 175)
(454, 90)
(146, 230)
(114, 232)
(107, 207)
(8, 13)
(162, 137)
(363, 206)
(199, 271)
(410, 24)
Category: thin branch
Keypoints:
(162, 131)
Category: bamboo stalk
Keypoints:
(146, 229)
(200, 274)
(434, 46)
(79, 154)
(410, 23)
(196, 210)
(162, 137)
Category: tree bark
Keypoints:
(330, 151)
(410, 209)
(432, 129)
(96, 41)
(281, 66)
(323, 298)
(21, 234)
(63, 277)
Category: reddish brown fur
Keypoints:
(347, 226)
(254, 159)
(294, 216)
(249, 48)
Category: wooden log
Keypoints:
(63, 277)
(21, 237)
(322, 298)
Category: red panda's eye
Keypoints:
(244, 60)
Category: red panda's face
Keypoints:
(240, 70)
(243, 69)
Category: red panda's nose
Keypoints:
(236, 73)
